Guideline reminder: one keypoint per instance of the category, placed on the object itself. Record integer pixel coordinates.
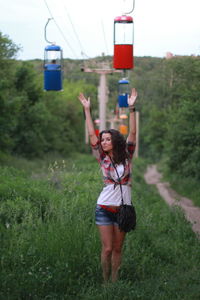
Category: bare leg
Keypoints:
(118, 239)
(106, 234)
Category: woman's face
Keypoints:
(106, 142)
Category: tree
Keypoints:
(26, 82)
(9, 102)
(182, 141)
(8, 49)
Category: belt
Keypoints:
(113, 209)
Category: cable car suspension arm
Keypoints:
(45, 29)
(127, 13)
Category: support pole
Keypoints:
(102, 92)
(86, 134)
(137, 134)
(102, 95)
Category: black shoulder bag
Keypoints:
(126, 216)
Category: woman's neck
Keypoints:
(110, 153)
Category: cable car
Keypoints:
(123, 129)
(53, 68)
(123, 43)
(124, 92)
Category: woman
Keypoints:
(114, 155)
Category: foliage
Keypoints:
(183, 139)
(34, 123)
(183, 131)
(8, 49)
(9, 104)
(169, 112)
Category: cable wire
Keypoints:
(75, 32)
(61, 32)
(102, 25)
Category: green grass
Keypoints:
(185, 186)
(50, 248)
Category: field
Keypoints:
(50, 247)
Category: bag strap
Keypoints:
(119, 179)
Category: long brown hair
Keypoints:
(119, 145)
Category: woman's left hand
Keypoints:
(132, 98)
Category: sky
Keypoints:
(84, 28)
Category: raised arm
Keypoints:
(132, 121)
(90, 126)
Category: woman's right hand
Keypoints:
(85, 102)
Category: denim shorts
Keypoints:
(104, 217)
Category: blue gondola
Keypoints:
(124, 91)
(53, 72)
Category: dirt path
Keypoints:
(192, 213)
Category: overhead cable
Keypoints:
(61, 32)
(102, 25)
(75, 32)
